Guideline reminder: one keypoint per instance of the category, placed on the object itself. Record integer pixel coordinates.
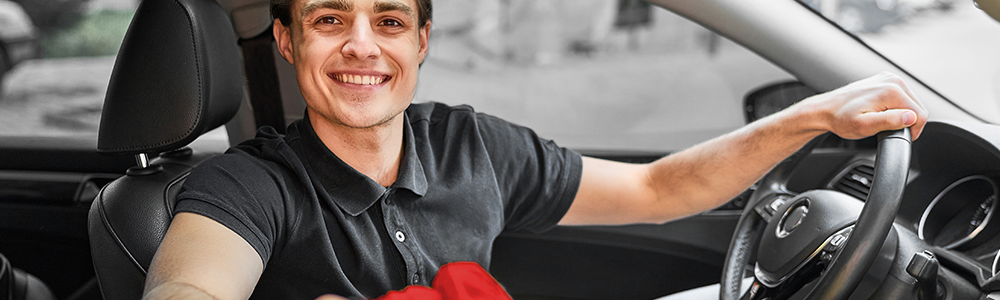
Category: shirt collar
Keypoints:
(351, 190)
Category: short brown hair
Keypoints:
(282, 10)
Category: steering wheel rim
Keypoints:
(858, 253)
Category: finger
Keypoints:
(917, 128)
(922, 118)
(892, 119)
(904, 99)
(912, 103)
(906, 89)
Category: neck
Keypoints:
(376, 151)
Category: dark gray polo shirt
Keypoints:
(322, 227)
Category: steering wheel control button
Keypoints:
(400, 236)
(792, 218)
(837, 240)
(767, 209)
(775, 205)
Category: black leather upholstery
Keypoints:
(127, 221)
(16, 284)
(173, 79)
(177, 76)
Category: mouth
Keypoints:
(360, 79)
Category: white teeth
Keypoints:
(360, 79)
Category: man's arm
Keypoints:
(202, 259)
(711, 173)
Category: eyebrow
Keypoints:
(341, 5)
(384, 6)
(344, 5)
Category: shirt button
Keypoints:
(416, 278)
(400, 236)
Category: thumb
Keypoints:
(889, 119)
(907, 117)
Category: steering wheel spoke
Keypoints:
(758, 291)
(785, 289)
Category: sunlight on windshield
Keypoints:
(949, 44)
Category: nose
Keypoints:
(361, 41)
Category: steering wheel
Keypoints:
(814, 234)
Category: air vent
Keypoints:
(856, 182)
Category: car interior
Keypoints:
(82, 221)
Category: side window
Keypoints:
(591, 74)
(56, 57)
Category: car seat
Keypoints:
(178, 74)
(15, 284)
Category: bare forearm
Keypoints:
(707, 175)
(687, 182)
(177, 291)
(711, 173)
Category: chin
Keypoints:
(366, 121)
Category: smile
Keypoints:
(360, 79)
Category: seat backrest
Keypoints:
(178, 75)
(16, 284)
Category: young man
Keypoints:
(369, 193)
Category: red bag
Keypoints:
(454, 281)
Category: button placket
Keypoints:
(394, 226)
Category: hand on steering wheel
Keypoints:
(828, 243)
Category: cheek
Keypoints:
(315, 51)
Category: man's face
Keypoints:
(356, 61)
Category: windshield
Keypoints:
(950, 45)
(595, 75)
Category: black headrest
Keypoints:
(178, 75)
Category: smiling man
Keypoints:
(370, 193)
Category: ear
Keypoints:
(283, 37)
(425, 33)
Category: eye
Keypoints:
(327, 20)
(391, 23)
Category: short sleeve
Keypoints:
(537, 178)
(241, 193)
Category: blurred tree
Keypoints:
(52, 15)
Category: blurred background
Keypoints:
(590, 74)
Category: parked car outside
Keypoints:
(18, 37)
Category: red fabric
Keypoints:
(454, 281)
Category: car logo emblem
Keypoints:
(792, 218)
